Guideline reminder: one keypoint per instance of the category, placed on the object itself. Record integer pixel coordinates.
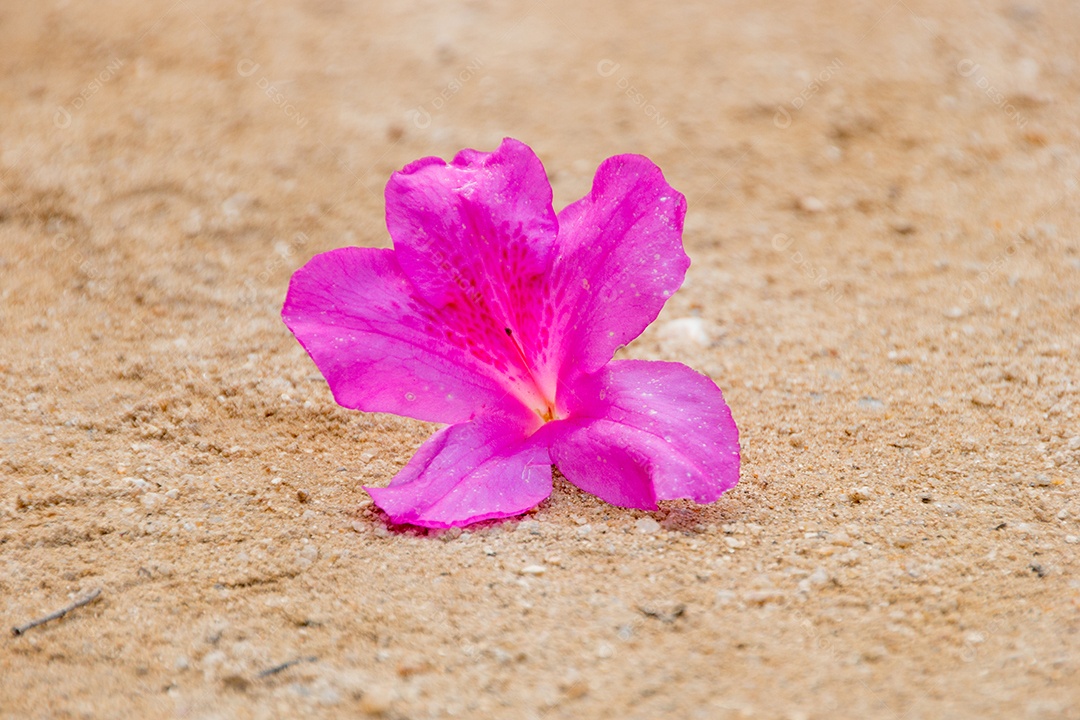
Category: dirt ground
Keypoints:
(885, 282)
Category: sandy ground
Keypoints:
(882, 221)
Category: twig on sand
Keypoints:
(285, 665)
(20, 629)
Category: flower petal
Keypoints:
(477, 237)
(648, 431)
(620, 258)
(383, 349)
(469, 472)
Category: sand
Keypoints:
(886, 264)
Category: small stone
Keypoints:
(153, 500)
(584, 530)
(687, 331)
(983, 398)
(647, 526)
(841, 538)
(489, 551)
(903, 226)
(763, 597)
(955, 313)
(138, 483)
(733, 542)
(376, 701)
(307, 555)
(875, 653)
(576, 689)
(974, 637)
(816, 579)
(860, 495)
(1072, 539)
(810, 204)
(724, 597)
(151, 431)
(533, 570)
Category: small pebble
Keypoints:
(533, 570)
(859, 495)
(685, 331)
(153, 500)
(577, 689)
(376, 701)
(810, 204)
(647, 526)
(763, 597)
(903, 226)
(724, 597)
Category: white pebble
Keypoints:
(685, 331)
(859, 495)
(647, 526)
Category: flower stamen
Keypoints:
(548, 413)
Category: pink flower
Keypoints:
(500, 317)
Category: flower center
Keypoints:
(548, 412)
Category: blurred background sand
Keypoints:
(882, 221)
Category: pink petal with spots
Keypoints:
(477, 237)
(620, 258)
(466, 473)
(382, 348)
(647, 431)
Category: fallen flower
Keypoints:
(500, 318)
